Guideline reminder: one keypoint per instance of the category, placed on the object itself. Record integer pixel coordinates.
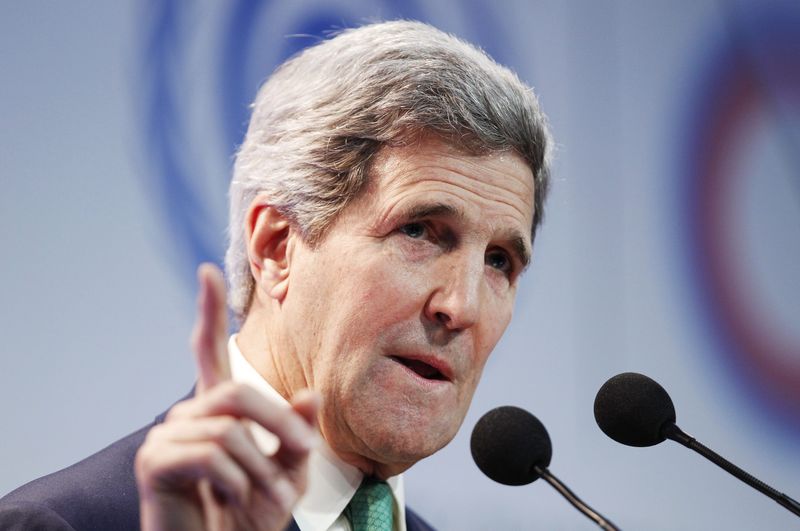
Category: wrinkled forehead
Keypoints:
(492, 176)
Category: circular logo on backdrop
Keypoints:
(742, 205)
(202, 65)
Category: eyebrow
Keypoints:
(427, 210)
(522, 251)
(432, 210)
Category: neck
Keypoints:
(260, 343)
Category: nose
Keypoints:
(455, 301)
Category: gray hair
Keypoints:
(321, 117)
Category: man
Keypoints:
(383, 207)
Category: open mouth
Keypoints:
(429, 372)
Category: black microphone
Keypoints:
(512, 447)
(635, 410)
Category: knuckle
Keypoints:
(150, 455)
(140, 461)
(152, 439)
(177, 411)
(232, 392)
(214, 457)
(145, 462)
(230, 429)
(153, 433)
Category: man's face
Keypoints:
(393, 315)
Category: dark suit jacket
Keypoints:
(96, 494)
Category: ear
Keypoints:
(268, 233)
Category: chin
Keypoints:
(405, 437)
(391, 419)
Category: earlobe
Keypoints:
(268, 233)
(280, 284)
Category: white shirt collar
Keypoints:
(331, 481)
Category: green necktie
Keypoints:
(371, 507)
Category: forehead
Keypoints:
(497, 188)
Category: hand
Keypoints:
(201, 468)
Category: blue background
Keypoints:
(117, 126)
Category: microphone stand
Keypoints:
(570, 496)
(673, 432)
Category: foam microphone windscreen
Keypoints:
(633, 409)
(507, 443)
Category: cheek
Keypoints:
(389, 288)
(375, 302)
(495, 321)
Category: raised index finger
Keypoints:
(210, 336)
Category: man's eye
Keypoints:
(499, 260)
(413, 230)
